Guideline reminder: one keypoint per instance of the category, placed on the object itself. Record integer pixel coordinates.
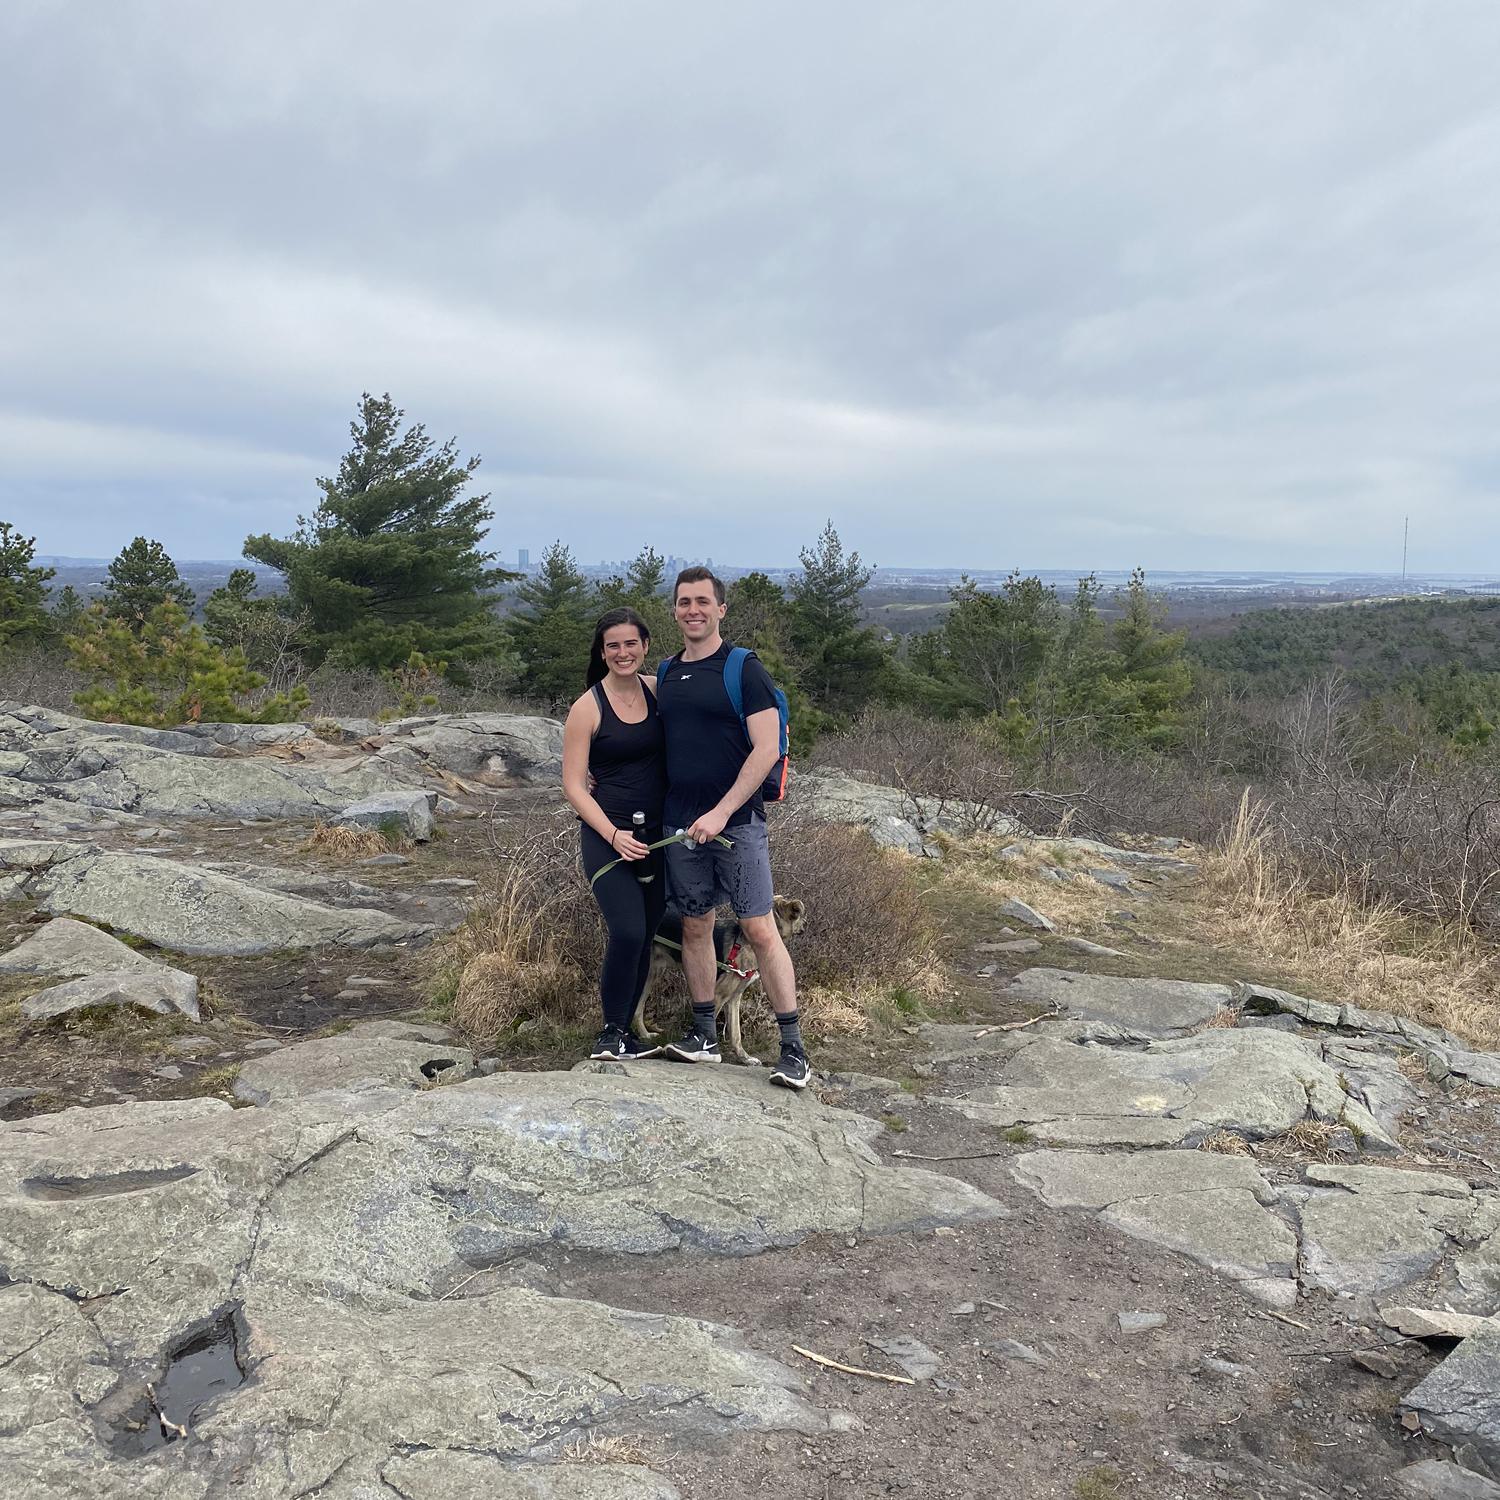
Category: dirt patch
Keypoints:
(1038, 1385)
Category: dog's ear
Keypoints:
(793, 912)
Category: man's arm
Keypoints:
(765, 750)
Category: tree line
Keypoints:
(389, 574)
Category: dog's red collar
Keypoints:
(729, 963)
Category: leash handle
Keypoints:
(680, 837)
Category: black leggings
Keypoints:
(632, 912)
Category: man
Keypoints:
(713, 787)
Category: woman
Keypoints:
(613, 735)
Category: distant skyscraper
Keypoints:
(523, 558)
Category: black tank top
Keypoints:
(628, 763)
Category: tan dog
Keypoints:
(738, 968)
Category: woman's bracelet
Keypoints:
(612, 839)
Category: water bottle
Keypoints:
(643, 869)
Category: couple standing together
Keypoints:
(682, 756)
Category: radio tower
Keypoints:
(1405, 533)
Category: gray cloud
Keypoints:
(988, 282)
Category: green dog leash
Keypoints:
(680, 837)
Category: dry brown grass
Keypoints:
(351, 843)
(1223, 1019)
(1077, 906)
(601, 1448)
(1226, 1143)
(1413, 1065)
(531, 947)
(1251, 896)
(1312, 1139)
(527, 948)
(867, 927)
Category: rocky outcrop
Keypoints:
(166, 992)
(64, 946)
(260, 770)
(1145, 1007)
(895, 819)
(1258, 1084)
(187, 908)
(407, 814)
(356, 1059)
(334, 1242)
(1460, 1401)
(1213, 1209)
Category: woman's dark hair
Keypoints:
(597, 671)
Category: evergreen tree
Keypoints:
(993, 647)
(642, 588)
(552, 628)
(1072, 690)
(390, 561)
(141, 577)
(839, 662)
(265, 629)
(23, 589)
(68, 610)
(1150, 679)
(758, 616)
(163, 670)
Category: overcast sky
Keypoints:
(988, 282)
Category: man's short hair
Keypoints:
(699, 575)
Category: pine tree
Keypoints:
(23, 589)
(163, 670)
(758, 616)
(390, 562)
(552, 628)
(994, 646)
(68, 609)
(1150, 681)
(642, 588)
(265, 628)
(839, 662)
(141, 577)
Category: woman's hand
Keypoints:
(627, 846)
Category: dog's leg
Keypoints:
(638, 1020)
(732, 1034)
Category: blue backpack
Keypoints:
(773, 788)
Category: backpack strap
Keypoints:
(734, 680)
(662, 668)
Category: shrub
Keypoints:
(531, 948)
(162, 670)
(866, 922)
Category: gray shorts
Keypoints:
(701, 877)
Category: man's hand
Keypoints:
(709, 826)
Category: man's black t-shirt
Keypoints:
(706, 743)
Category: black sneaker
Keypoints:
(695, 1047)
(793, 1070)
(611, 1045)
(615, 1045)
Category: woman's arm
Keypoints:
(579, 729)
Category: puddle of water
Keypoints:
(66, 1189)
(206, 1367)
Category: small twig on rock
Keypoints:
(1018, 1025)
(959, 1156)
(168, 1426)
(454, 1290)
(1282, 1318)
(833, 1364)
